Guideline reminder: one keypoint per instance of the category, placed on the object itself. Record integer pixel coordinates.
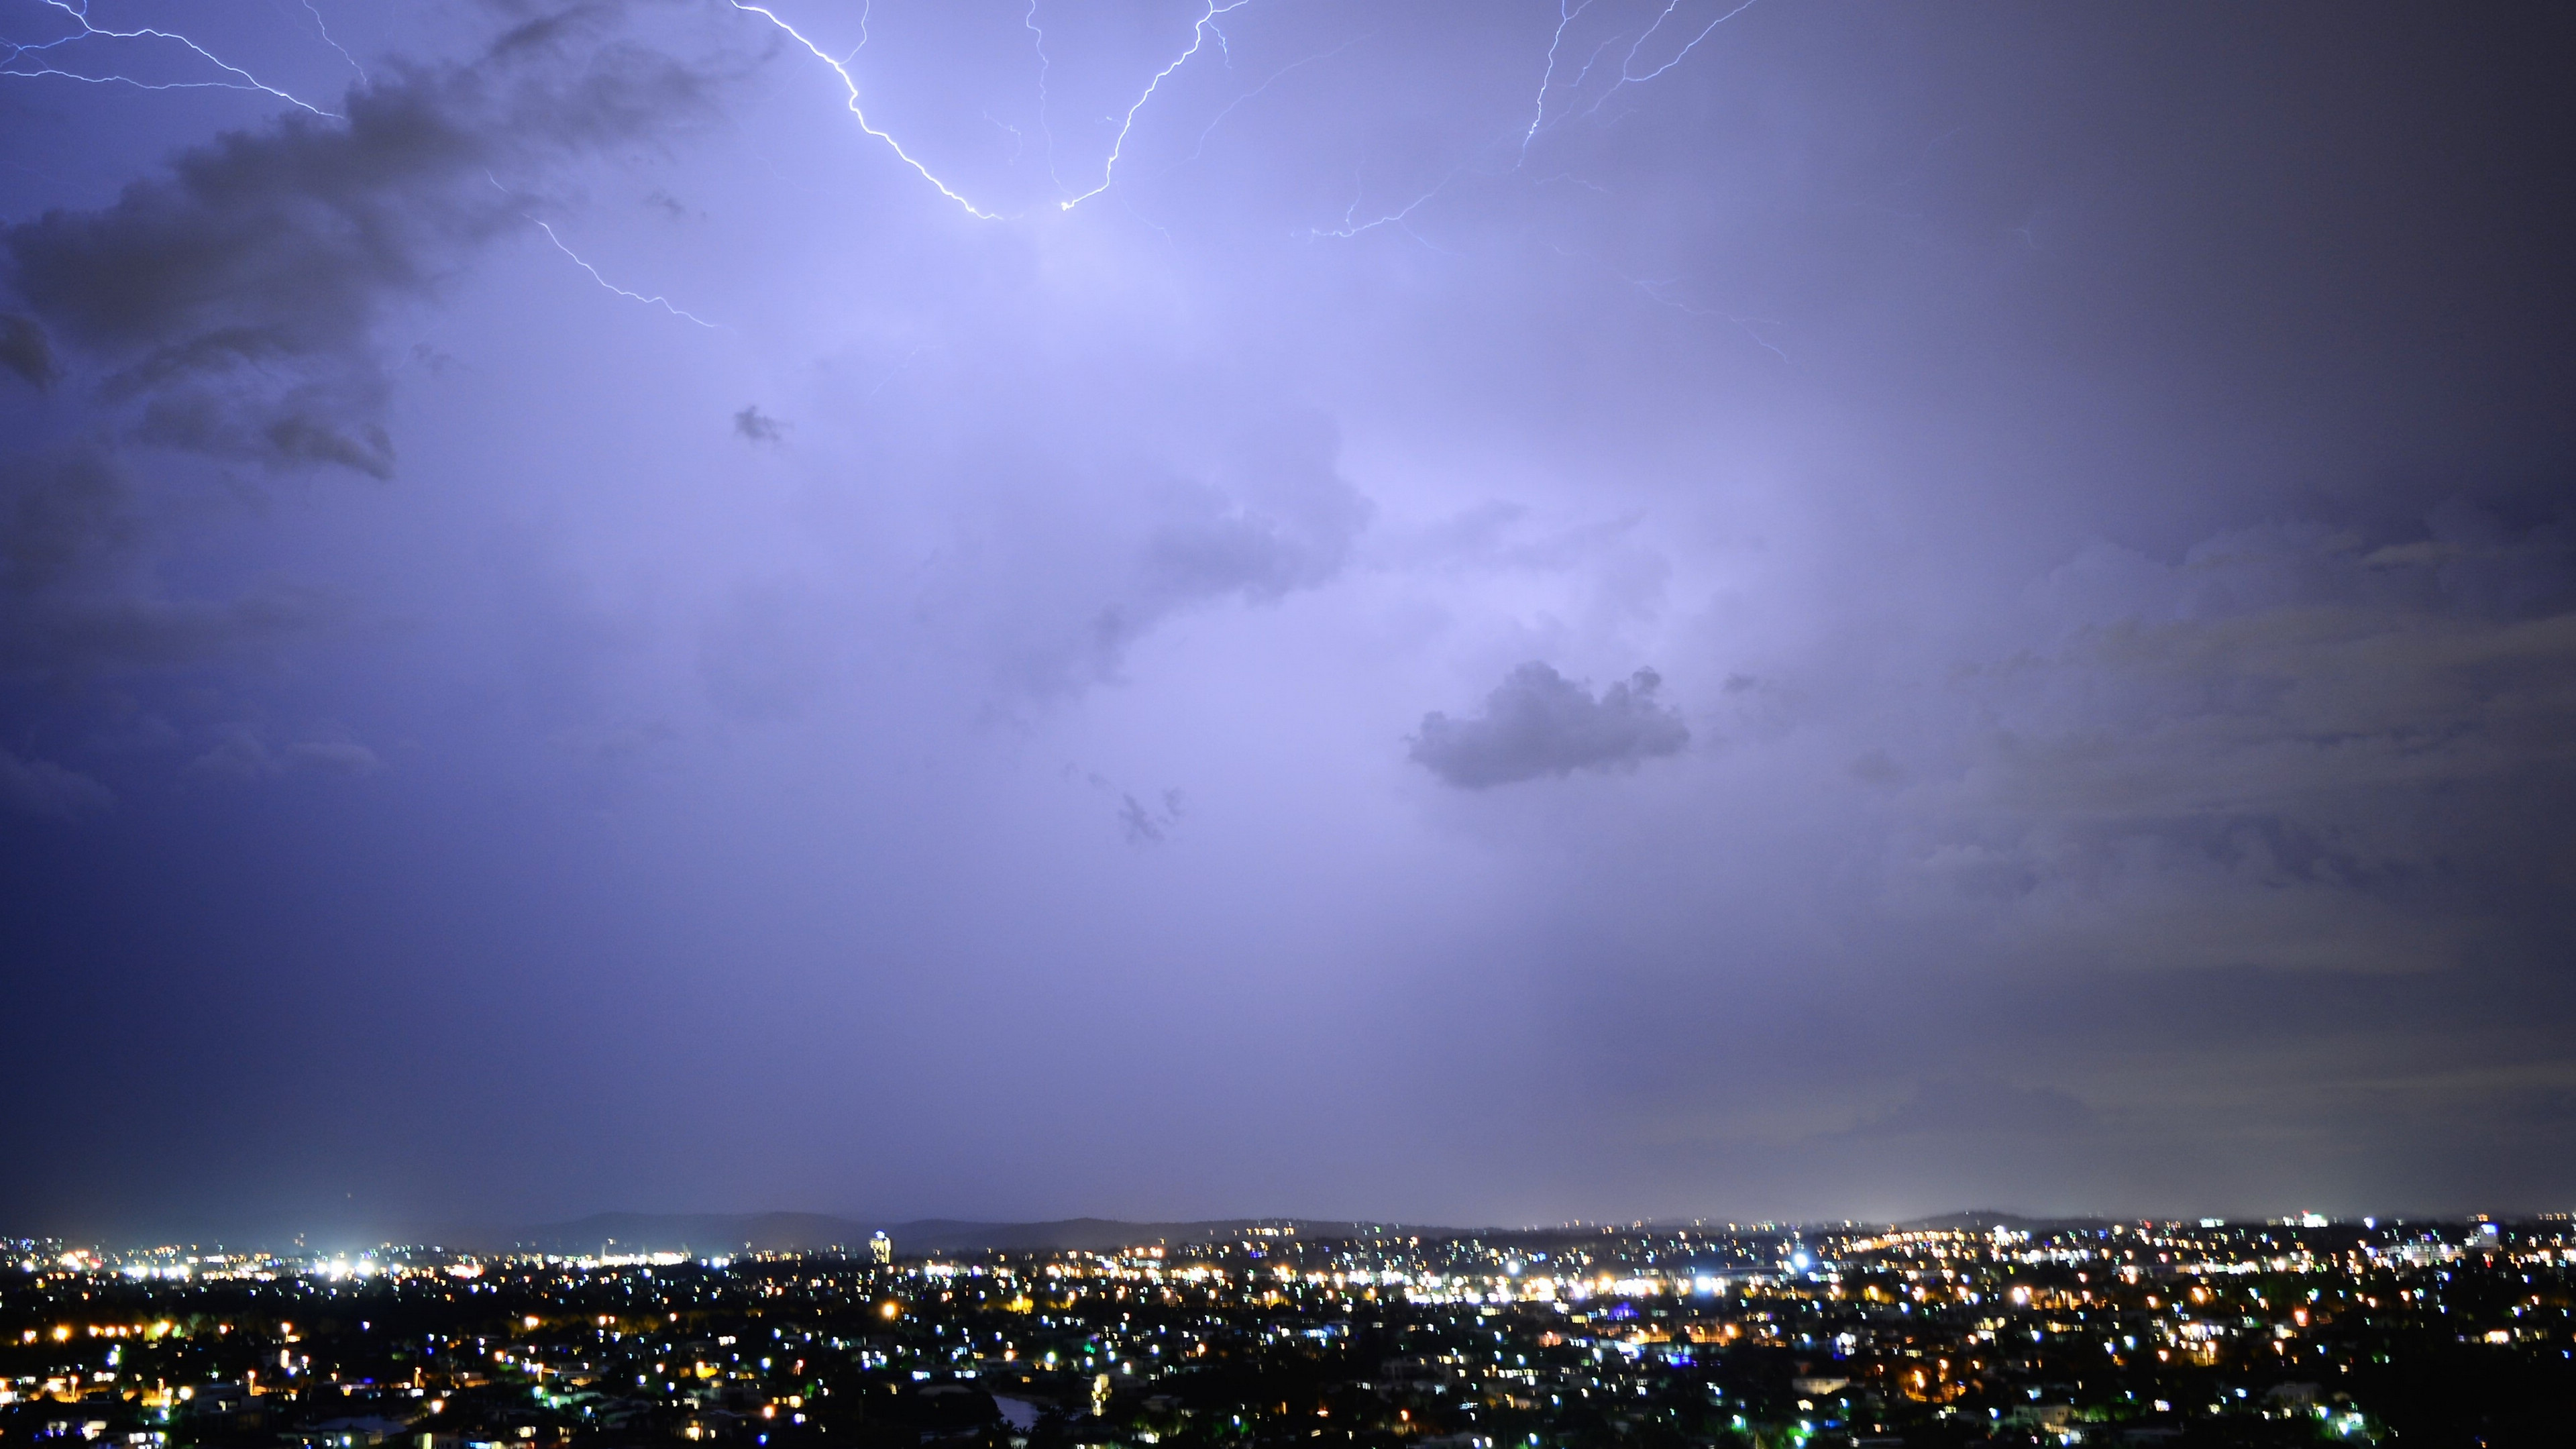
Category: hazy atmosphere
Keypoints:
(1476, 611)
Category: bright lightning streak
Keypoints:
(1565, 14)
(1401, 220)
(660, 302)
(1198, 38)
(1684, 53)
(246, 81)
(898, 370)
(1645, 35)
(1657, 290)
(867, 12)
(1045, 64)
(1019, 143)
(1654, 288)
(1591, 61)
(1627, 77)
(851, 85)
(320, 25)
(1275, 78)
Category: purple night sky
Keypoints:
(1460, 610)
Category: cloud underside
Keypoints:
(224, 312)
(1538, 723)
(2285, 750)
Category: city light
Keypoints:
(1520, 1338)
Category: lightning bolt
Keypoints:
(1627, 63)
(1565, 14)
(1590, 62)
(243, 80)
(322, 26)
(1045, 128)
(32, 60)
(1275, 77)
(867, 12)
(1198, 38)
(1019, 143)
(898, 370)
(1199, 32)
(1655, 290)
(1684, 53)
(1401, 219)
(850, 84)
(661, 302)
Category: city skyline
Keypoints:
(628, 1240)
(1466, 610)
(1732, 1336)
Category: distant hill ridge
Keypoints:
(706, 1233)
(703, 1234)
(715, 1234)
(1988, 1219)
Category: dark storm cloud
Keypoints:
(238, 292)
(227, 308)
(2317, 748)
(25, 350)
(1537, 722)
(225, 311)
(233, 300)
(69, 516)
(75, 573)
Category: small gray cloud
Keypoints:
(1061, 593)
(41, 787)
(1281, 519)
(1538, 722)
(1209, 546)
(336, 757)
(758, 426)
(1145, 824)
(242, 755)
(238, 756)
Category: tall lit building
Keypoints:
(881, 1249)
